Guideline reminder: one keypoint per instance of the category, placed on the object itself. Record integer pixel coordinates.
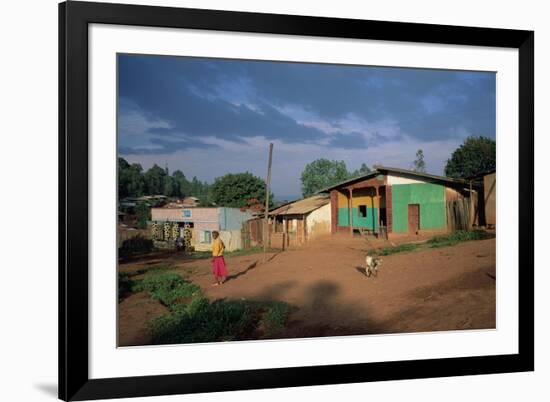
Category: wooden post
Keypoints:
(267, 190)
(378, 197)
(350, 208)
(471, 215)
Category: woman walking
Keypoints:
(218, 263)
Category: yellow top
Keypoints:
(217, 247)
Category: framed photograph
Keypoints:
(258, 201)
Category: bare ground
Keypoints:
(437, 289)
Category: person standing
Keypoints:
(218, 262)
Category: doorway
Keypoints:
(414, 218)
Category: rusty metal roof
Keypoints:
(381, 170)
(301, 207)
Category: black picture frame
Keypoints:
(74, 18)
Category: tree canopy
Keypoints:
(419, 165)
(134, 182)
(322, 173)
(237, 189)
(363, 170)
(474, 156)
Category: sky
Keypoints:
(208, 117)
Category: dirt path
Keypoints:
(432, 289)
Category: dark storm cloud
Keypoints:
(166, 98)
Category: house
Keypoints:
(392, 201)
(486, 181)
(294, 223)
(489, 198)
(196, 224)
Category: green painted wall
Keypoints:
(430, 197)
(368, 222)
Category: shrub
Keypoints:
(393, 250)
(222, 320)
(136, 244)
(275, 317)
(167, 287)
(202, 321)
(125, 285)
(458, 236)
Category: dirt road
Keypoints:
(427, 290)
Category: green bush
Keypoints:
(456, 237)
(401, 248)
(222, 320)
(167, 287)
(202, 321)
(275, 317)
(125, 285)
(136, 244)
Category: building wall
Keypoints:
(232, 218)
(366, 197)
(395, 178)
(232, 239)
(430, 197)
(490, 195)
(183, 214)
(318, 222)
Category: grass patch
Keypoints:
(125, 286)
(192, 318)
(450, 239)
(456, 237)
(275, 318)
(401, 248)
(167, 287)
(202, 321)
(221, 320)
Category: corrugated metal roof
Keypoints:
(301, 207)
(384, 170)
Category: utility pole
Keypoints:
(267, 191)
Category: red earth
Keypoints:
(430, 289)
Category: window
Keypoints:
(362, 211)
(187, 213)
(206, 236)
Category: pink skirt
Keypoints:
(218, 267)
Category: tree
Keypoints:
(154, 180)
(235, 190)
(419, 165)
(182, 186)
(363, 170)
(169, 186)
(130, 179)
(474, 156)
(143, 214)
(322, 173)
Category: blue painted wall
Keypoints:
(232, 218)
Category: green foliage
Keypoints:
(474, 156)
(275, 318)
(222, 320)
(154, 180)
(363, 170)
(419, 164)
(136, 244)
(322, 173)
(167, 287)
(235, 190)
(143, 214)
(130, 179)
(125, 285)
(202, 321)
(401, 248)
(458, 236)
